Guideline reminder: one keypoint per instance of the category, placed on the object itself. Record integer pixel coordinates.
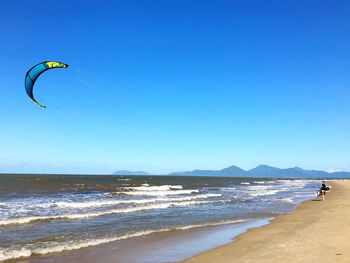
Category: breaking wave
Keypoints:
(24, 220)
(54, 247)
(139, 201)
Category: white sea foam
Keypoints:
(7, 253)
(229, 189)
(24, 220)
(104, 202)
(263, 192)
(245, 183)
(287, 199)
(146, 187)
(54, 247)
(273, 187)
(294, 183)
(21, 208)
(162, 193)
(257, 190)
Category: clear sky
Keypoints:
(175, 85)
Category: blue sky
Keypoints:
(175, 85)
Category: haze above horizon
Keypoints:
(168, 86)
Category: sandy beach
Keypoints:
(316, 231)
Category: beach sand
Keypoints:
(316, 231)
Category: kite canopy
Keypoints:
(33, 74)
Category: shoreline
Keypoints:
(168, 246)
(315, 231)
(173, 245)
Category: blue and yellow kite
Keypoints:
(33, 74)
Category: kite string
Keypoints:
(86, 117)
(123, 98)
(97, 79)
(114, 87)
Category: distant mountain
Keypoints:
(125, 172)
(229, 171)
(233, 170)
(265, 171)
(296, 172)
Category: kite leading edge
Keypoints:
(33, 74)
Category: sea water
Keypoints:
(55, 213)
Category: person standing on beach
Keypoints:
(323, 190)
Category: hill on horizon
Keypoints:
(263, 171)
(126, 172)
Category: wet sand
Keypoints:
(316, 231)
(170, 246)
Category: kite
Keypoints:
(33, 74)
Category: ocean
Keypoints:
(48, 214)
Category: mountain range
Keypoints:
(259, 171)
(125, 172)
